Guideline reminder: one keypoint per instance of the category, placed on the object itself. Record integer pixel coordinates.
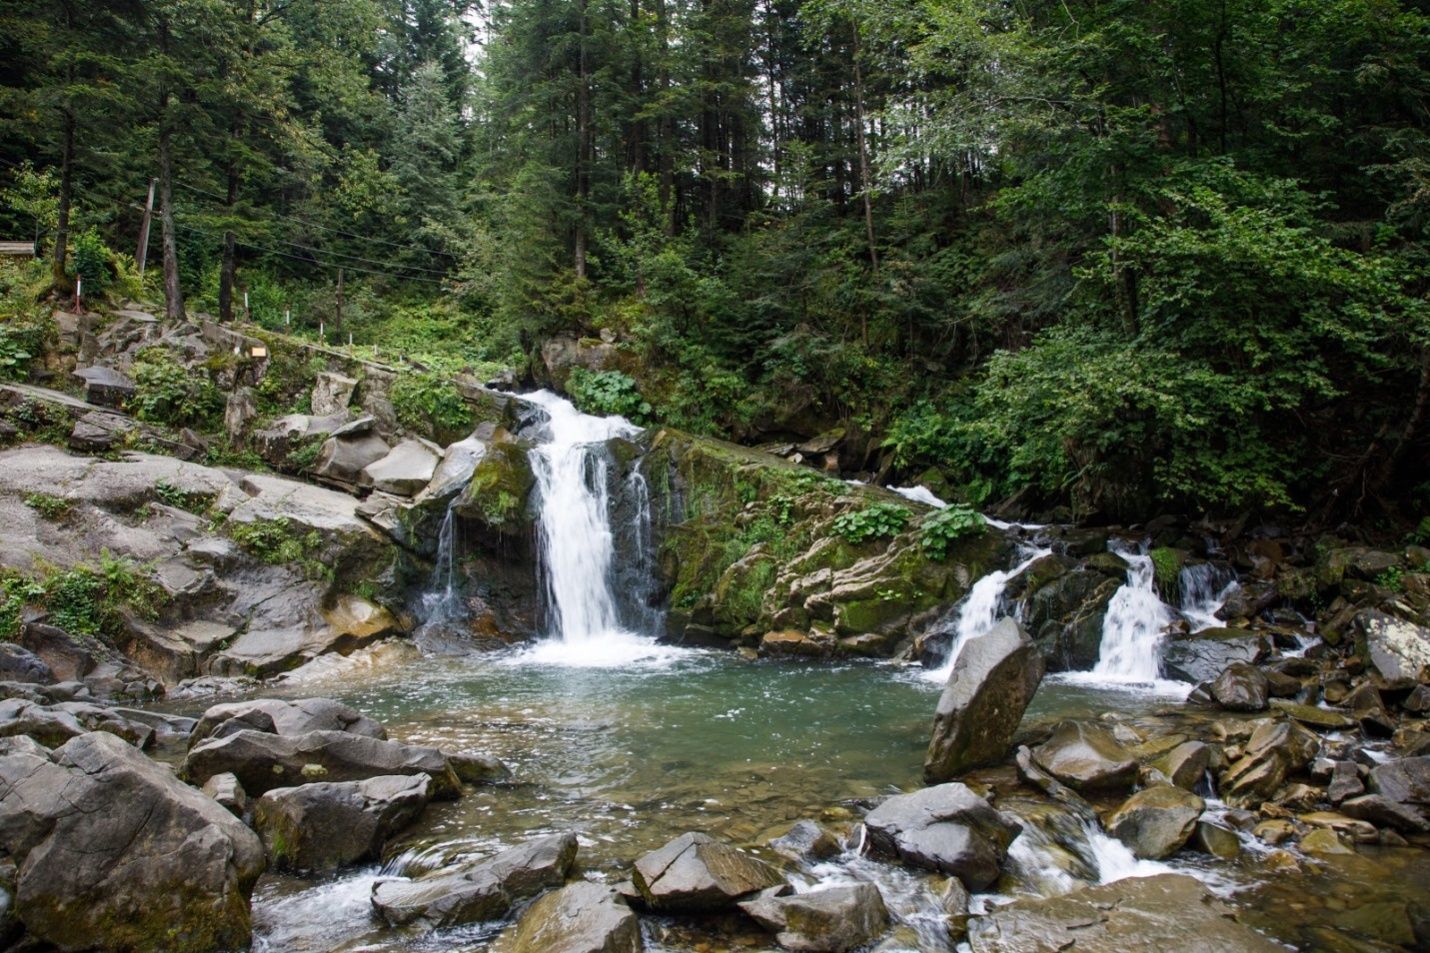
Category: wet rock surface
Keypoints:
(1086, 758)
(581, 917)
(324, 825)
(694, 872)
(946, 828)
(1156, 821)
(823, 920)
(989, 688)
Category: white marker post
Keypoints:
(323, 332)
(78, 295)
(287, 317)
(247, 315)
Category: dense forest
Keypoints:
(1117, 256)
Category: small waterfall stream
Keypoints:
(982, 608)
(1205, 588)
(576, 544)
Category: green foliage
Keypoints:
(276, 543)
(1392, 579)
(83, 600)
(942, 528)
(607, 393)
(427, 402)
(182, 499)
(50, 507)
(1421, 535)
(92, 261)
(166, 392)
(1166, 568)
(872, 522)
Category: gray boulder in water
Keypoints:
(115, 853)
(946, 828)
(991, 684)
(824, 920)
(286, 717)
(695, 873)
(582, 917)
(1156, 821)
(1087, 759)
(324, 825)
(264, 761)
(1241, 687)
(480, 891)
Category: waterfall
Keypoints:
(1132, 630)
(1205, 589)
(981, 609)
(577, 552)
(441, 602)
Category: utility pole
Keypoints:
(143, 253)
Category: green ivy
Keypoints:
(941, 528)
(872, 522)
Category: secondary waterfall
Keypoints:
(577, 549)
(981, 610)
(1132, 631)
(1205, 589)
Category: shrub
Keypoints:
(93, 261)
(50, 507)
(427, 402)
(941, 528)
(607, 393)
(872, 522)
(83, 600)
(182, 499)
(166, 392)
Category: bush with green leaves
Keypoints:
(166, 392)
(872, 522)
(942, 528)
(608, 393)
(429, 403)
(83, 600)
(49, 506)
(92, 261)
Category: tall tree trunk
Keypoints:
(173, 294)
(62, 228)
(583, 147)
(865, 181)
(228, 270)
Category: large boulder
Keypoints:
(1156, 821)
(405, 471)
(694, 873)
(946, 828)
(325, 825)
(1134, 915)
(1395, 650)
(824, 920)
(19, 664)
(1087, 759)
(1205, 655)
(350, 449)
(264, 761)
(51, 727)
(332, 393)
(286, 717)
(480, 891)
(991, 684)
(1405, 784)
(116, 854)
(1186, 764)
(1241, 687)
(581, 917)
(1064, 605)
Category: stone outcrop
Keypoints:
(989, 688)
(946, 828)
(324, 825)
(263, 761)
(695, 873)
(480, 891)
(96, 830)
(823, 920)
(284, 717)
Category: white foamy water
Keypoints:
(577, 548)
(1205, 589)
(919, 494)
(982, 608)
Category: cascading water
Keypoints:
(1205, 589)
(576, 542)
(441, 601)
(1132, 630)
(981, 609)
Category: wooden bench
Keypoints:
(17, 249)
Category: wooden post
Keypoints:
(143, 254)
(338, 317)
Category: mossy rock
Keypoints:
(498, 494)
(1167, 572)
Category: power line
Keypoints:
(325, 228)
(306, 260)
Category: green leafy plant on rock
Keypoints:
(276, 543)
(608, 393)
(942, 528)
(50, 507)
(872, 522)
(166, 392)
(427, 402)
(83, 600)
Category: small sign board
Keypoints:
(258, 351)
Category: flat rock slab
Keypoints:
(694, 872)
(477, 892)
(1136, 915)
(1086, 758)
(264, 761)
(289, 717)
(405, 471)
